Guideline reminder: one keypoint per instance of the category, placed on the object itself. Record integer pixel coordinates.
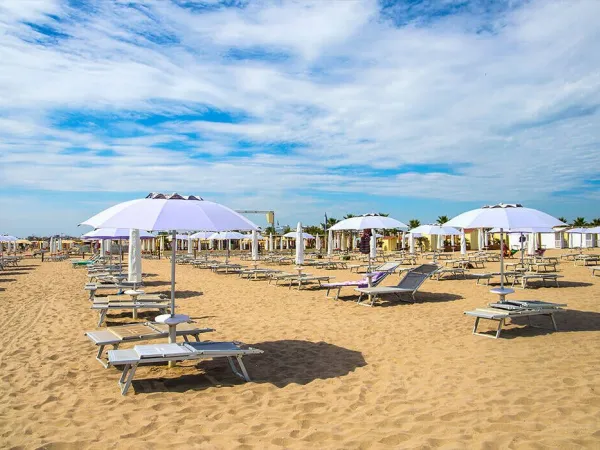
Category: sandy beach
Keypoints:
(333, 375)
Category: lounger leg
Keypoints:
(134, 314)
(476, 325)
(242, 373)
(125, 387)
(337, 294)
(102, 316)
(243, 368)
(500, 323)
(553, 322)
(99, 356)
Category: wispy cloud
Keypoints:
(297, 103)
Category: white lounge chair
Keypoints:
(370, 280)
(409, 284)
(189, 351)
(103, 308)
(115, 336)
(500, 312)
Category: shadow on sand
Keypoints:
(284, 362)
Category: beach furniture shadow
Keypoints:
(283, 363)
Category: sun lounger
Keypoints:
(487, 276)
(306, 278)
(115, 336)
(594, 270)
(370, 280)
(255, 274)
(500, 312)
(525, 277)
(103, 308)
(444, 272)
(227, 268)
(93, 287)
(385, 267)
(409, 284)
(189, 351)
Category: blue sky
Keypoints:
(415, 108)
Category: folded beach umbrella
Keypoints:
(503, 216)
(299, 245)
(463, 243)
(159, 212)
(294, 235)
(330, 243)
(254, 245)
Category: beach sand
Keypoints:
(333, 375)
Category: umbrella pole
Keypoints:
(502, 261)
(172, 329)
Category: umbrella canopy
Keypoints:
(503, 216)
(227, 236)
(294, 235)
(113, 233)
(524, 230)
(435, 230)
(299, 245)
(595, 230)
(7, 238)
(159, 212)
(202, 235)
(367, 221)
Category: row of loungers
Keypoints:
(130, 359)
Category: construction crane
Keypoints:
(270, 215)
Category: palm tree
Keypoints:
(414, 223)
(442, 219)
(562, 219)
(383, 214)
(595, 222)
(579, 222)
(330, 222)
(349, 216)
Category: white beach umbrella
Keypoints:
(227, 236)
(531, 243)
(480, 238)
(343, 246)
(299, 246)
(318, 242)
(330, 243)
(254, 245)
(190, 245)
(434, 230)
(373, 246)
(158, 212)
(134, 269)
(368, 221)
(503, 216)
(202, 235)
(294, 235)
(281, 243)
(271, 243)
(463, 243)
(411, 243)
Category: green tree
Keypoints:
(442, 219)
(286, 229)
(414, 223)
(579, 222)
(269, 229)
(349, 216)
(562, 219)
(383, 214)
(330, 222)
(595, 222)
(313, 229)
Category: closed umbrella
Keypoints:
(254, 245)
(281, 243)
(330, 243)
(299, 246)
(134, 271)
(318, 243)
(463, 243)
(271, 247)
(411, 243)
(372, 248)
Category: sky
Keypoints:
(412, 108)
